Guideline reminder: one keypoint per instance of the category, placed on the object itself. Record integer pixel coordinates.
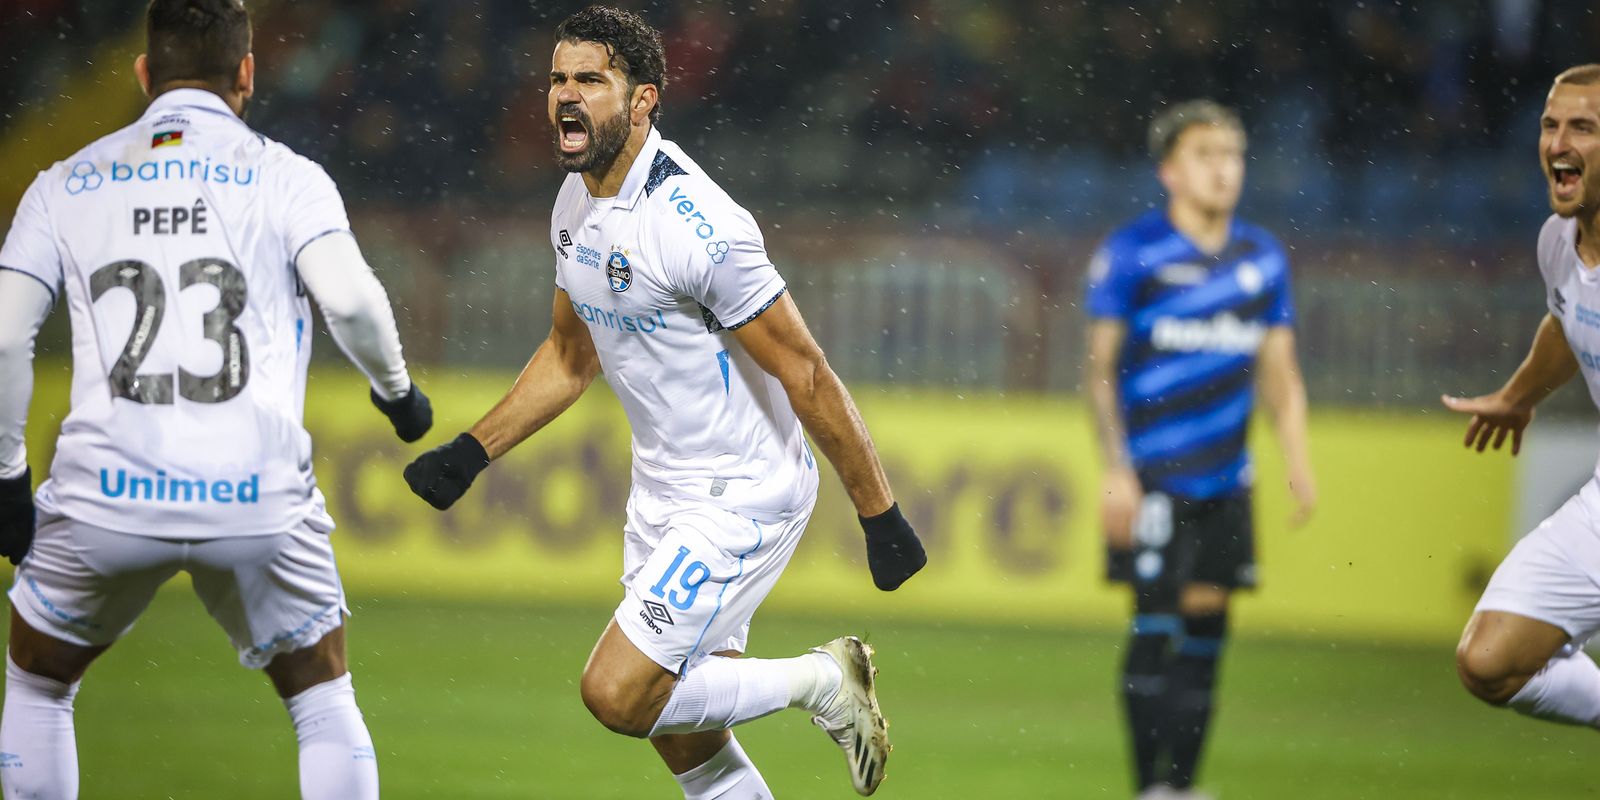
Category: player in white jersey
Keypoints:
(664, 285)
(1523, 647)
(183, 246)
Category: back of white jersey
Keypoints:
(173, 241)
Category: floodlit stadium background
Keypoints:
(931, 177)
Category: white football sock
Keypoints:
(337, 761)
(729, 775)
(38, 748)
(723, 692)
(1567, 690)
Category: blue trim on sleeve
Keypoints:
(759, 311)
(47, 287)
(662, 168)
(296, 260)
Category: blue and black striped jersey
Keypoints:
(1195, 322)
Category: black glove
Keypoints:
(410, 413)
(894, 553)
(16, 516)
(441, 475)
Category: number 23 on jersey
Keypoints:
(150, 304)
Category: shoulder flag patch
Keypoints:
(660, 170)
(166, 138)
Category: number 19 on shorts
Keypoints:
(682, 596)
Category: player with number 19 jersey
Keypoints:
(662, 274)
(187, 320)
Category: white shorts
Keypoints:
(695, 574)
(1553, 574)
(272, 594)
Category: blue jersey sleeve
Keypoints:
(1281, 312)
(1111, 286)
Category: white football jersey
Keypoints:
(663, 274)
(1573, 295)
(173, 242)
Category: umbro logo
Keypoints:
(566, 238)
(658, 612)
(1560, 302)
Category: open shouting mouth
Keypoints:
(573, 127)
(1567, 178)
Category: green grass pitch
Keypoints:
(480, 700)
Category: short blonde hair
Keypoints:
(1582, 75)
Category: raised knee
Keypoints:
(616, 706)
(1486, 675)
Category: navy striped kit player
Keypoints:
(1194, 324)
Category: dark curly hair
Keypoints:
(196, 40)
(635, 47)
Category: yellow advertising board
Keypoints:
(1002, 490)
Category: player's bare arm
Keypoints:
(557, 375)
(1507, 411)
(1120, 489)
(779, 343)
(1283, 394)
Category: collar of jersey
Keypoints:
(190, 98)
(1569, 235)
(638, 174)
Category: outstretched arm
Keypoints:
(1283, 395)
(560, 370)
(1549, 364)
(781, 345)
(357, 310)
(362, 323)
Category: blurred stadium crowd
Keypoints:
(947, 108)
(911, 157)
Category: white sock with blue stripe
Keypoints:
(38, 745)
(723, 692)
(337, 761)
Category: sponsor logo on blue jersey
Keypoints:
(1224, 333)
